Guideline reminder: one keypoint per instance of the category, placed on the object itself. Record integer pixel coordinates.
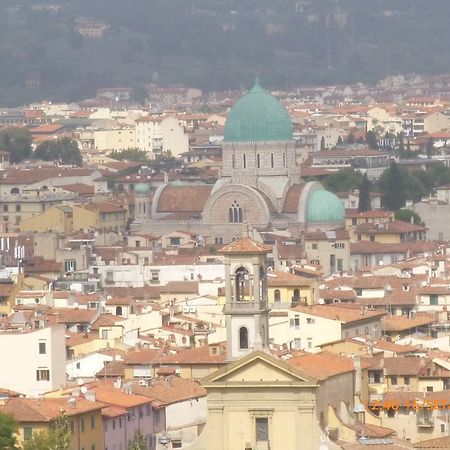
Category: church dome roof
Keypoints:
(258, 117)
(324, 207)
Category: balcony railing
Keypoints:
(425, 421)
(245, 306)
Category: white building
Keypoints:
(33, 360)
(159, 134)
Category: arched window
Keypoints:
(244, 161)
(235, 213)
(271, 161)
(277, 295)
(258, 160)
(242, 283)
(243, 338)
(15, 190)
(118, 310)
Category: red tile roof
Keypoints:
(245, 245)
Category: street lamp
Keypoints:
(164, 440)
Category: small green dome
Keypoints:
(323, 206)
(257, 117)
(141, 188)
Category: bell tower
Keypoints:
(246, 308)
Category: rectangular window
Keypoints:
(42, 375)
(262, 429)
(429, 388)
(310, 320)
(434, 299)
(18, 208)
(92, 421)
(104, 334)
(394, 380)
(70, 265)
(114, 424)
(175, 241)
(27, 433)
(5, 208)
(82, 424)
(339, 245)
(297, 343)
(155, 275)
(296, 322)
(42, 348)
(314, 246)
(109, 275)
(406, 380)
(309, 342)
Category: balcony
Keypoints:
(424, 421)
(245, 307)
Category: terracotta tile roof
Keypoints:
(113, 411)
(47, 128)
(112, 369)
(180, 287)
(79, 188)
(172, 389)
(401, 323)
(396, 226)
(184, 198)
(46, 410)
(287, 279)
(322, 365)
(404, 365)
(142, 357)
(196, 355)
(339, 233)
(69, 316)
(105, 320)
(434, 290)
(339, 312)
(114, 301)
(437, 443)
(292, 197)
(289, 251)
(147, 292)
(375, 213)
(340, 294)
(103, 207)
(110, 395)
(245, 245)
(393, 347)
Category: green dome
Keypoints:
(258, 116)
(141, 188)
(323, 206)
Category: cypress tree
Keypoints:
(364, 195)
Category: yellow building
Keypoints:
(35, 415)
(353, 219)
(8, 290)
(392, 232)
(56, 218)
(104, 216)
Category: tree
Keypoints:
(392, 185)
(372, 140)
(364, 195)
(17, 141)
(322, 143)
(408, 215)
(63, 150)
(138, 442)
(57, 438)
(343, 181)
(8, 427)
(130, 154)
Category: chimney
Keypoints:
(90, 395)
(358, 374)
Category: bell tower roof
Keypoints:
(245, 245)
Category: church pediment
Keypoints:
(258, 368)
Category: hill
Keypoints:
(213, 44)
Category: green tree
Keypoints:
(57, 438)
(408, 215)
(372, 140)
(138, 442)
(392, 186)
(8, 427)
(17, 141)
(343, 181)
(131, 154)
(63, 150)
(364, 195)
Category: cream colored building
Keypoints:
(160, 134)
(39, 366)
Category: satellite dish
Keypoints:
(321, 301)
(381, 263)
(83, 389)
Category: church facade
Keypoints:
(259, 185)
